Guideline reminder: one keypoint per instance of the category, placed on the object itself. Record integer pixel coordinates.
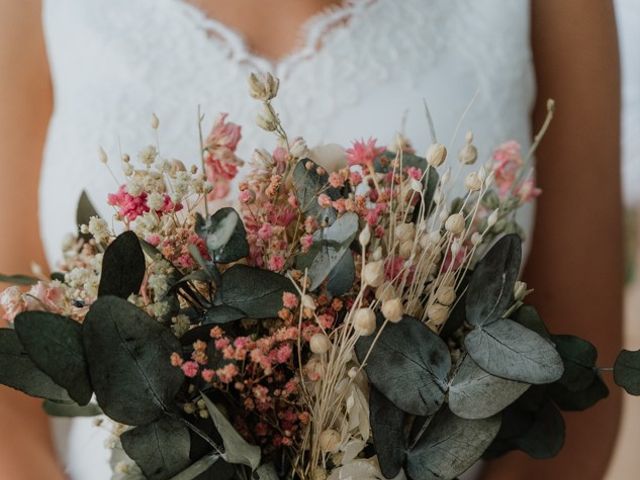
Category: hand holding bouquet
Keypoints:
(351, 319)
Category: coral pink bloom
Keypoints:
(290, 300)
(507, 162)
(276, 263)
(224, 134)
(363, 153)
(129, 207)
(190, 369)
(48, 297)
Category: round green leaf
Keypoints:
(475, 394)
(527, 316)
(18, 371)
(128, 355)
(387, 426)
(580, 400)
(546, 436)
(54, 343)
(626, 371)
(254, 291)
(409, 364)
(507, 349)
(579, 358)
(220, 314)
(160, 449)
(450, 446)
(491, 286)
(123, 267)
(70, 410)
(224, 234)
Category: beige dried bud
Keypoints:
(437, 314)
(298, 148)
(406, 249)
(446, 295)
(476, 239)
(468, 154)
(473, 183)
(102, 155)
(263, 87)
(365, 236)
(406, 231)
(455, 224)
(329, 440)
(373, 273)
(436, 154)
(308, 302)
(155, 121)
(319, 473)
(520, 291)
(364, 321)
(377, 254)
(266, 120)
(393, 310)
(320, 343)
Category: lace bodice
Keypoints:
(361, 70)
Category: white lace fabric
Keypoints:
(362, 69)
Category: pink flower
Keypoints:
(221, 343)
(247, 196)
(190, 369)
(414, 172)
(276, 263)
(307, 242)
(507, 162)
(153, 239)
(176, 359)
(49, 297)
(224, 134)
(130, 207)
(226, 373)
(355, 178)
(12, 303)
(208, 375)
(363, 153)
(284, 353)
(168, 206)
(290, 300)
(265, 232)
(527, 191)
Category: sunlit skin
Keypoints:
(575, 265)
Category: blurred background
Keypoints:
(626, 461)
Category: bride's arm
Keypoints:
(576, 263)
(26, 452)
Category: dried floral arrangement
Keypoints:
(349, 320)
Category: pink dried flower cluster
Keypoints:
(507, 162)
(131, 207)
(221, 163)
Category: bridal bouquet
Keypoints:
(350, 319)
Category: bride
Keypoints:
(77, 74)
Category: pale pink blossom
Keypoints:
(507, 162)
(527, 191)
(290, 300)
(12, 302)
(363, 153)
(190, 369)
(276, 263)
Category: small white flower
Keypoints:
(99, 229)
(320, 343)
(364, 321)
(155, 201)
(148, 155)
(393, 310)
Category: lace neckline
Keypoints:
(312, 36)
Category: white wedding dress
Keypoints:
(362, 69)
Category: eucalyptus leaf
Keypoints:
(224, 234)
(18, 371)
(54, 343)
(574, 401)
(527, 316)
(626, 371)
(409, 364)
(198, 468)
(341, 278)
(476, 394)
(450, 446)
(236, 448)
(332, 244)
(387, 425)
(579, 358)
(546, 436)
(123, 267)
(70, 410)
(24, 280)
(308, 185)
(128, 355)
(266, 472)
(221, 314)
(507, 349)
(160, 449)
(256, 292)
(490, 291)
